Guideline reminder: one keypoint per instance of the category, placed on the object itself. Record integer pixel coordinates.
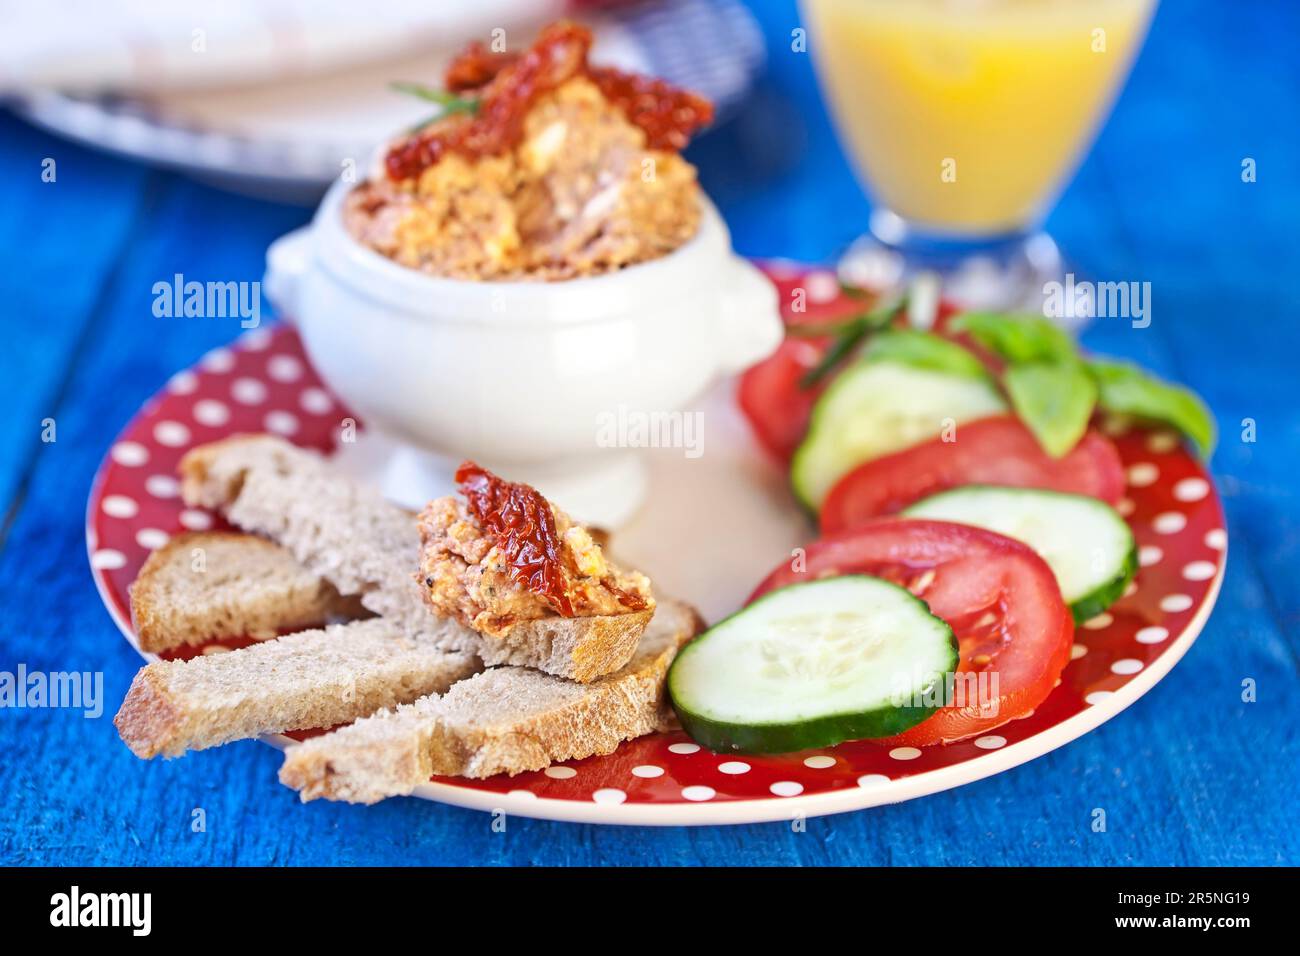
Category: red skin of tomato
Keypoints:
(991, 451)
(1000, 598)
(771, 398)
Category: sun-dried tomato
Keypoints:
(523, 524)
(475, 67)
(668, 115)
(509, 84)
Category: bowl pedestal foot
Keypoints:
(603, 489)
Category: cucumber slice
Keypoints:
(1084, 541)
(812, 664)
(880, 406)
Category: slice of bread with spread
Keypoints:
(534, 584)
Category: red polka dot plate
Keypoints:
(264, 382)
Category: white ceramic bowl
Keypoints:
(524, 377)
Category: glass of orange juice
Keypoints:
(965, 117)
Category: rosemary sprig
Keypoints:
(851, 335)
(450, 102)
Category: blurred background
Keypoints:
(143, 139)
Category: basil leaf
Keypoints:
(1018, 337)
(1054, 399)
(1129, 390)
(925, 350)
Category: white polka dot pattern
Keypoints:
(212, 413)
(316, 401)
(1162, 442)
(1191, 489)
(107, 559)
(130, 453)
(1142, 475)
(281, 422)
(1154, 634)
(196, 520)
(218, 361)
(162, 486)
(119, 506)
(256, 340)
(1170, 522)
(821, 286)
(284, 368)
(698, 793)
(171, 434)
(151, 538)
(248, 391)
(183, 383)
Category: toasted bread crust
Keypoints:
(504, 720)
(148, 719)
(248, 586)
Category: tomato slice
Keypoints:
(1013, 629)
(992, 451)
(769, 394)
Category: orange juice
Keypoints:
(965, 116)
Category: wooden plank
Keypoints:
(62, 240)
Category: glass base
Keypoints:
(1006, 272)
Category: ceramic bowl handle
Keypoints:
(750, 326)
(287, 261)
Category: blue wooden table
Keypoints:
(1188, 775)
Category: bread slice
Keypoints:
(350, 535)
(317, 678)
(504, 720)
(339, 528)
(209, 584)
